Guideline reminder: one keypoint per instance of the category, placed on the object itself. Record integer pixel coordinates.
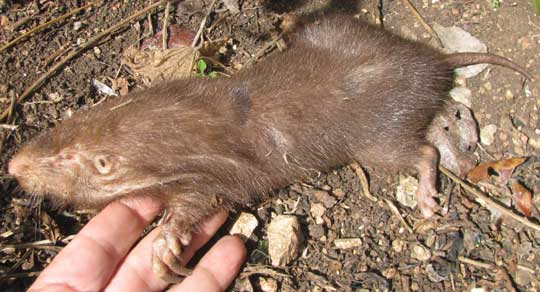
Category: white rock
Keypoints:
(398, 245)
(317, 211)
(268, 284)
(284, 239)
(406, 191)
(462, 94)
(487, 134)
(456, 39)
(103, 88)
(346, 243)
(244, 225)
(420, 253)
(77, 25)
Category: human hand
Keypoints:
(101, 256)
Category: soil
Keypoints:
(467, 236)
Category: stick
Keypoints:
(395, 210)
(46, 24)
(203, 24)
(19, 275)
(488, 201)
(364, 181)
(78, 51)
(422, 20)
(165, 34)
(261, 52)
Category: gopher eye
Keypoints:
(103, 164)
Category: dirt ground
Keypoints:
(467, 247)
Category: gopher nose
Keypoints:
(18, 164)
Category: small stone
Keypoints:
(487, 134)
(77, 25)
(244, 225)
(389, 273)
(456, 39)
(522, 278)
(462, 94)
(346, 243)
(420, 253)
(97, 51)
(339, 193)
(406, 191)
(487, 86)
(284, 239)
(535, 143)
(317, 211)
(508, 94)
(397, 245)
(433, 275)
(323, 197)
(268, 284)
(478, 289)
(524, 42)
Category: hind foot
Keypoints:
(167, 249)
(427, 177)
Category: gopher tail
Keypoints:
(457, 60)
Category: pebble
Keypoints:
(508, 94)
(462, 94)
(420, 253)
(397, 245)
(487, 134)
(77, 25)
(522, 278)
(347, 243)
(338, 193)
(284, 239)
(406, 191)
(268, 284)
(323, 197)
(244, 225)
(317, 211)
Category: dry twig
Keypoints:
(488, 201)
(79, 50)
(165, 34)
(422, 20)
(363, 181)
(263, 51)
(46, 24)
(395, 210)
(203, 24)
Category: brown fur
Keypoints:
(344, 91)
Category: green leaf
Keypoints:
(212, 74)
(201, 66)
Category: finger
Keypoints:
(87, 263)
(135, 273)
(217, 269)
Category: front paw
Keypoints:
(167, 261)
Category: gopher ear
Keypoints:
(103, 163)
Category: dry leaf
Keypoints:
(178, 37)
(164, 65)
(502, 168)
(121, 85)
(522, 198)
